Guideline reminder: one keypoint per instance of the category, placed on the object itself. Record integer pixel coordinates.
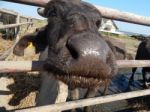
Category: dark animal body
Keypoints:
(8, 19)
(118, 48)
(143, 53)
(74, 51)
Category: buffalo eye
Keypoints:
(52, 12)
(98, 23)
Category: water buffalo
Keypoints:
(72, 48)
(143, 53)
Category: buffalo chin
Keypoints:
(83, 73)
(81, 81)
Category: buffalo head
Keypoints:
(77, 53)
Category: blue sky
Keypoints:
(141, 7)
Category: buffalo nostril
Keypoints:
(73, 51)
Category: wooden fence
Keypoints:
(29, 20)
(17, 30)
(25, 66)
(16, 26)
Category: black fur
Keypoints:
(143, 53)
(77, 53)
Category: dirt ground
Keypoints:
(18, 90)
(131, 44)
(5, 44)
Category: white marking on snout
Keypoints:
(91, 52)
(94, 52)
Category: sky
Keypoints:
(140, 7)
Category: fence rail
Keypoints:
(40, 3)
(14, 25)
(106, 12)
(27, 66)
(87, 102)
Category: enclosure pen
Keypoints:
(27, 66)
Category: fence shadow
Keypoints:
(23, 85)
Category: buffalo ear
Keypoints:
(37, 40)
(21, 45)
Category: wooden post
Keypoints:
(29, 25)
(17, 22)
(87, 102)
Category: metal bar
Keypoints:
(106, 12)
(27, 66)
(40, 3)
(133, 63)
(13, 25)
(123, 16)
(20, 66)
(87, 102)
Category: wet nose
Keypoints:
(87, 45)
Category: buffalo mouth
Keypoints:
(82, 74)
